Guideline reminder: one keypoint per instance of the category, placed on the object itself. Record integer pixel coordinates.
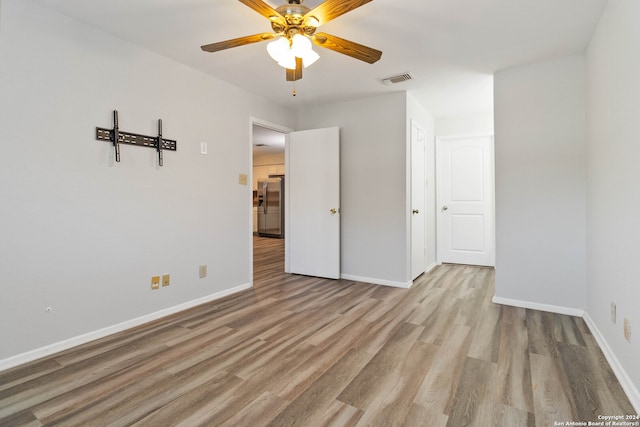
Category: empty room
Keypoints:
(319, 213)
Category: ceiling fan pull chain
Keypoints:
(294, 93)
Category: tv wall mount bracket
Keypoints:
(117, 137)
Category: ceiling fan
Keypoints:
(294, 29)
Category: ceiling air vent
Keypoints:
(397, 79)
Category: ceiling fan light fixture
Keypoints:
(288, 61)
(309, 58)
(278, 49)
(300, 45)
(301, 48)
(284, 52)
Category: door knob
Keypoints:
(444, 208)
(333, 211)
(416, 211)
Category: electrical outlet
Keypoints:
(166, 280)
(155, 282)
(627, 330)
(613, 312)
(203, 271)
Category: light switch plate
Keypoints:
(627, 330)
(613, 312)
(203, 148)
(243, 179)
(166, 280)
(155, 282)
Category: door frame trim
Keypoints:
(273, 126)
(439, 141)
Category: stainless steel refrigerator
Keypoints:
(271, 207)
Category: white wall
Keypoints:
(613, 185)
(540, 183)
(470, 124)
(417, 113)
(373, 184)
(84, 235)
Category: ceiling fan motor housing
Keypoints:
(296, 21)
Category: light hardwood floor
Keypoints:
(303, 351)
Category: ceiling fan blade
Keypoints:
(346, 47)
(331, 9)
(293, 75)
(265, 10)
(241, 41)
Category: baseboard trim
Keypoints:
(404, 285)
(48, 350)
(625, 381)
(629, 388)
(431, 267)
(537, 306)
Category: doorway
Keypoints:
(267, 159)
(311, 172)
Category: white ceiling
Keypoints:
(451, 47)
(267, 141)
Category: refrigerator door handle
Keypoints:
(265, 201)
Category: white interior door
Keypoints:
(465, 200)
(418, 188)
(312, 230)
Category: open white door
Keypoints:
(418, 188)
(312, 230)
(465, 200)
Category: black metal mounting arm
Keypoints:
(160, 141)
(118, 137)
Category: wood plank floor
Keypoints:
(303, 351)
